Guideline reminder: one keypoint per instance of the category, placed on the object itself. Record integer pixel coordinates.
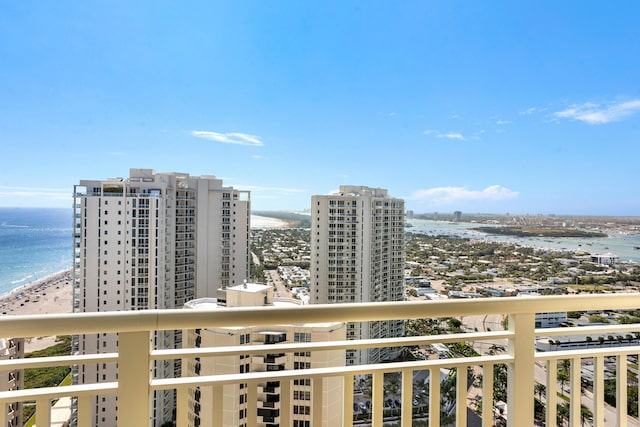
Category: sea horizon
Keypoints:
(36, 243)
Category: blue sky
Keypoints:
(501, 106)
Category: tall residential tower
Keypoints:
(357, 255)
(152, 241)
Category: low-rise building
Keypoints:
(13, 379)
(269, 393)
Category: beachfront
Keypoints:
(49, 295)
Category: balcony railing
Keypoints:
(136, 383)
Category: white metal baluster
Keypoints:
(134, 377)
(407, 397)
(520, 373)
(434, 397)
(487, 395)
(598, 391)
(621, 389)
(552, 396)
(461, 396)
(576, 392)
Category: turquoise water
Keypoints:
(622, 245)
(34, 243)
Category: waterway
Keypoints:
(622, 245)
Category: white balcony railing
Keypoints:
(135, 357)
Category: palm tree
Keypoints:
(392, 385)
(563, 373)
(585, 415)
(563, 413)
(448, 390)
(420, 391)
(540, 389)
(495, 349)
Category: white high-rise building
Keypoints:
(235, 396)
(13, 379)
(152, 241)
(357, 255)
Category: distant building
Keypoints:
(357, 255)
(457, 216)
(152, 241)
(270, 399)
(605, 259)
(573, 342)
(13, 379)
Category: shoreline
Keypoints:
(264, 222)
(48, 295)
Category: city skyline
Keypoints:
(531, 107)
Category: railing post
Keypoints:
(576, 390)
(182, 406)
(551, 396)
(434, 397)
(347, 413)
(285, 403)
(487, 395)
(252, 404)
(407, 397)
(84, 410)
(316, 403)
(3, 413)
(520, 376)
(43, 411)
(377, 398)
(621, 390)
(461, 395)
(134, 377)
(598, 391)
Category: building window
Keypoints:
(302, 337)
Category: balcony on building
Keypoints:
(270, 391)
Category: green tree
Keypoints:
(563, 413)
(585, 415)
(540, 389)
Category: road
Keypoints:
(494, 323)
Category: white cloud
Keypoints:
(529, 111)
(595, 114)
(229, 138)
(503, 122)
(447, 135)
(452, 135)
(445, 195)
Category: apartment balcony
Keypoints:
(524, 363)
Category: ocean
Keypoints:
(34, 243)
(37, 242)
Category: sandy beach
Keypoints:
(49, 295)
